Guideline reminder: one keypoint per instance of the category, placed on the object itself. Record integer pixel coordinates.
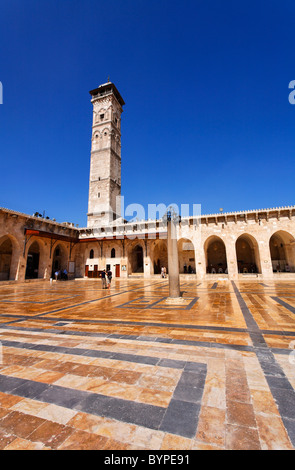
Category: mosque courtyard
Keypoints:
(82, 367)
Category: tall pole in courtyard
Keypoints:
(173, 266)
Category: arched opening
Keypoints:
(5, 259)
(32, 268)
(247, 255)
(186, 256)
(113, 253)
(215, 254)
(160, 256)
(136, 260)
(282, 252)
(91, 254)
(59, 260)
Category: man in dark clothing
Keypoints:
(103, 278)
(109, 275)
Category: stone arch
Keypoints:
(282, 251)
(118, 145)
(159, 256)
(59, 259)
(136, 258)
(215, 255)
(90, 259)
(113, 255)
(247, 252)
(13, 258)
(96, 135)
(105, 137)
(33, 260)
(96, 140)
(6, 250)
(186, 256)
(90, 252)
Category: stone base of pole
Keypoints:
(174, 300)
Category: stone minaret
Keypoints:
(105, 165)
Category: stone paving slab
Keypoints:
(85, 368)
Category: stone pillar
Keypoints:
(265, 260)
(231, 259)
(200, 259)
(173, 266)
(290, 255)
(15, 263)
(21, 271)
(147, 264)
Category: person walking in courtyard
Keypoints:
(103, 279)
(109, 276)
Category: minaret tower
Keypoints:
(105, 165)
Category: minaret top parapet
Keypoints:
(106, 89)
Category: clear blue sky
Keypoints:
(207, 118)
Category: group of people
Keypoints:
(218, 270)
(279, 269)
(106, 278)
(59, 274)
(188, 270)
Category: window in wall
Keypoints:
(91, 254)
(113, 253)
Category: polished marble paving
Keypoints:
(82, 367)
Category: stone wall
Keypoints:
(143, 252)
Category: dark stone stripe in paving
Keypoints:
(151, 360)
(124, 357)
(138, 304)
(280, 387)
(181, 417)
(132, 323)
(87, 402)
(64, 321)
(107, 354)
(38, 302)
(189, 306)
(254, 331)
(84, 303)
(284, 304)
